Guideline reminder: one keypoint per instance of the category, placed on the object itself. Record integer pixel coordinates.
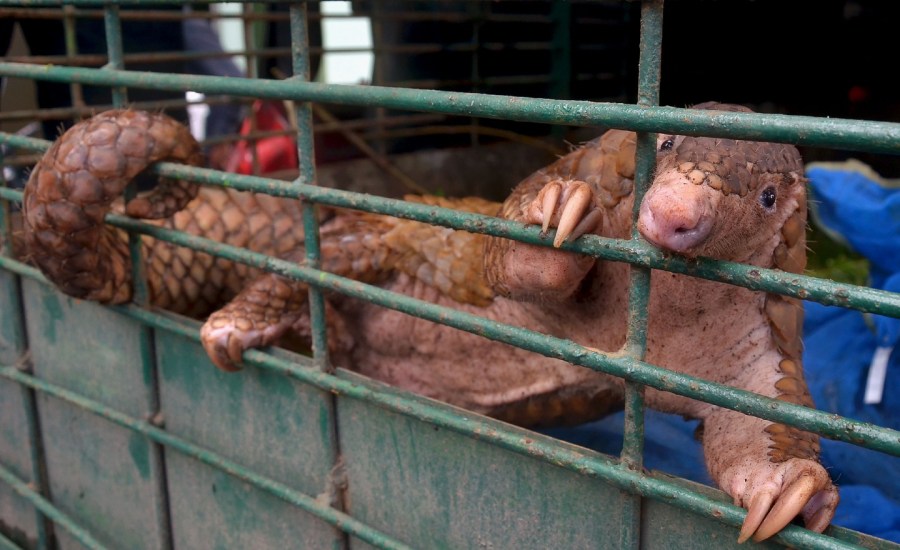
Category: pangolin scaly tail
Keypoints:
(74, 185)
(82, 177)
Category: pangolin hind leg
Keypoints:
(271, 306)
(258, 316)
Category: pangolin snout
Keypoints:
(676, 215)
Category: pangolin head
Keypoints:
(722, 198)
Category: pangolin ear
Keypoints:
(790, 254)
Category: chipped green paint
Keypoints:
(20, 435)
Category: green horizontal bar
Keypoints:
(876, 137)
(875, 437)
(6, 544)
(23, 142)
(42, 504)
(493, 432)
(804, 287)
(326, 513)
(834, 427)
(770, 280)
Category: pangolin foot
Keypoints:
(774, 493)
(567, 205)
(232, 330)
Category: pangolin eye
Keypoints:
(667, 145)
(767, 198)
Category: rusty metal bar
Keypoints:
(10, 8)
(89, 110)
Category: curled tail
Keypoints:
(74, 185)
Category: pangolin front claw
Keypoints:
(568, 206)
(776, 495)
(756, 513)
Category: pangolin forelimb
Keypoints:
(726, 199)
(537, 273)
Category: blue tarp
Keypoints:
(856, 207)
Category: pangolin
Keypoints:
(733, 200)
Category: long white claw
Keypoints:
(819, 511)
(587, 224)
(759, 507)
(572, 212)
(548, 205)
(788, 506)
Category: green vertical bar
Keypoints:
(140, 294)
(75, 90)
(38, 471)
(252, 42)
(114, 51)
(379, 42)
(113, 26)
(561, 71)
(479, 13)
(638, 300)
(305, 150)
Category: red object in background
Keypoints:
(273, 153)
(857, 94)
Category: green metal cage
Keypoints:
(118, 433)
